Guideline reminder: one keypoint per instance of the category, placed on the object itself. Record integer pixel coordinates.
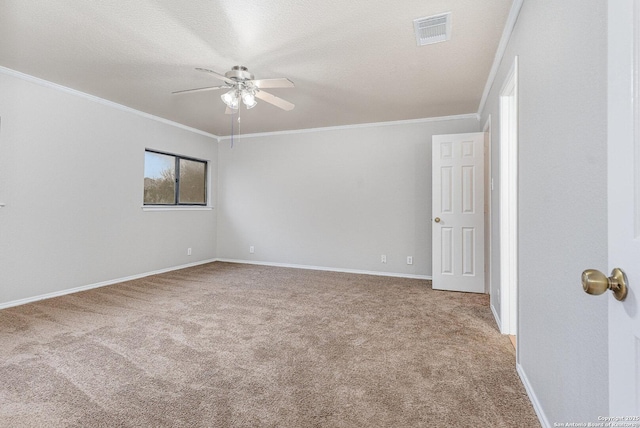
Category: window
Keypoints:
(174, 180)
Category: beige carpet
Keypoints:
(225, 345)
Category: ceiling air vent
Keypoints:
(433, 29)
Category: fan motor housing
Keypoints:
(239, 73)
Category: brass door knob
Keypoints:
(595, 282)
(437, 219)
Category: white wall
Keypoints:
(71, 176)
(562, 335)
(334, 198)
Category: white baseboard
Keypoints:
(155, 272)
(97, 285)
(497, 317)
(542, 417)
(329, 269)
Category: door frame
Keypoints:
(623, 202)
(509, 202)
(488, 189)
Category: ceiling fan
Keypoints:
(244, 88)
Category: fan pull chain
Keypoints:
(232, 114)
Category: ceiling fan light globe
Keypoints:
(230, 98)
(249, 100)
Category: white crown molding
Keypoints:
(46, 83)
(502, 47)
(475, 116)
(98, 285)
(327, 269)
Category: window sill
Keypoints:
(175, 208)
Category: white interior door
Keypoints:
(458, 212)
(624, 208)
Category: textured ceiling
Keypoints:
(352, 61)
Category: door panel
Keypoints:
(458, 201)
(468, 175)
(468, 251)
(447, 190)
(446, 267)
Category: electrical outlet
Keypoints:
(252, 249)
(383, 258)
(188, 251)
(409, 260)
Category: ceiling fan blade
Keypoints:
(282, 82)
(207, 88)
(272, 99)
(230, 111)
(217, 75)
